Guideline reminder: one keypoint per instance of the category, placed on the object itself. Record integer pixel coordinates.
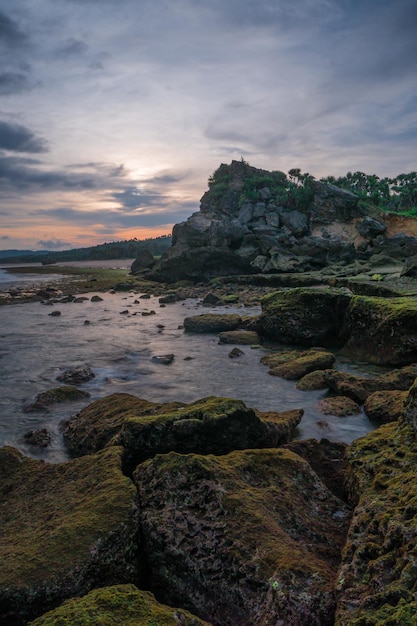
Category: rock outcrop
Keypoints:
(252, 220)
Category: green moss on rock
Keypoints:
(382, 330)
(121, 604)
(64, 528)
(252, 537)
(212, 322)
(209, 426)
(378, 576)
(306, 317)
(294, 365)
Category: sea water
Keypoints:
(117, 338)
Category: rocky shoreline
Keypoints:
(211, 506)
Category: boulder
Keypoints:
(382, 330)
(240, 337)
(76, 375)
(143, 261)
(338, 405)
(209, 426)
(65, 528)
(43, 400)
(252, 537)
(370, 227)
(312, 381)
(294, 365)
(304, 316)
(377, 578)
(385, 406)
(212, 322)
(359, 388)
(119, 604)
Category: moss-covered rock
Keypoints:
(385, 406)
(209, 426)
(377, 581)
(293, 365)
(121, 604)
(240, 337)
(307, 317)
(312, 381)
(43, 400)
(212, 322)
(65, 528)
(338, 405)
(359, 388)
(382, 330)
(252, 537)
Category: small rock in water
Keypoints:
(144, 313)
(235, 353)
(96, 299)
(55, 313)
(125, 312)
(76, 375)
(40, 438)
(164, 359)
(86, 322)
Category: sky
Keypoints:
(113, 114)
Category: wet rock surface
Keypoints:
(225, 536)
(65, 529)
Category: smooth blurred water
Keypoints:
(118, 344)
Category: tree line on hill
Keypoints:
(128, 249)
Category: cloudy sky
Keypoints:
(113, 114)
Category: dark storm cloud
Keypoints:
(167, 214)
(10, 33)
(72, 47)
(14, 82)
(16, 138)
(133, 198)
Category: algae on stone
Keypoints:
(378, 576)
(208, 426)
(121, 604)
(293, 365)
(382, 330)
(64, 529)
(304, 316)
(252, 537)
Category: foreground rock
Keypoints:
(212, 322)
(307, 317)
(209, 426)
(43, 400)
(65, 528)
(253, 537)
(359, 388)
(385, 406)
(240, 337)
(377, 579)
(76, 375)
(293, 365)
(120, 604)
(382, 330)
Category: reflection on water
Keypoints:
(118, 343)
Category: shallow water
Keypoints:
(118, 344)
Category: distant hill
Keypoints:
(128, 249)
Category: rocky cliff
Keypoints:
(251, 220)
